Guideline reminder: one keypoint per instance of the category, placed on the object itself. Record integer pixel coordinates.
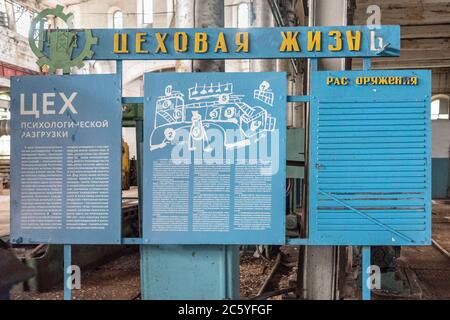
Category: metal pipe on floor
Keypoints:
(270, 276)
(438, 246)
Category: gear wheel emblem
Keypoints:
(54, 48)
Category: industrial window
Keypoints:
(440, 107)
(147, 11)
(22, 18)
(118, 19)
(243, 15)
(3, 15)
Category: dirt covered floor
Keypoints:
(274, 274)
(120, 280)
(116, 280)
(431, 265)
(425, 270)
(253, 272)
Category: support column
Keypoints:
(184, 18)
(209, 14)
(262, 16)
(324, 264)
(10, 14)
(192, 271)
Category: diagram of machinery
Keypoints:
(211, 106)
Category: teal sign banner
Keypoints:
(231, 43)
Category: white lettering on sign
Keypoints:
(48, 104)
(376, 42)
(68, 102)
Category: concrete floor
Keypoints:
(431, 266)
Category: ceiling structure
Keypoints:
(425, 36)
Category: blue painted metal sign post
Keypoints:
(214, 158)
(66, 151)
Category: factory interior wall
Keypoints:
(440, 162)
(440, 180)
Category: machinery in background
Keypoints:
(294, 209)
(126, 178)
(4, 159)
(13, 271)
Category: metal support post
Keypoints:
(366, 290)
(67, 272)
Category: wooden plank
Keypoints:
(398, 63)
(424, 31)
(424, 54)
(426, 15)
(425, 44)
(419, 58)
(399, 3)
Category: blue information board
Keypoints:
(214, 158)
(66, 151)
(370, 158)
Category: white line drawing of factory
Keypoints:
(211, 106)
(264, 93)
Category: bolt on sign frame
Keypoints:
(334, 106)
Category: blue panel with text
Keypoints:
(214, 158)
(66, 150)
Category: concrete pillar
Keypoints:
(324, 264)
(330, 13)
(262, 17)
(10, 14)
(199, 14)
(5, 128)
(294, 114)
(209, 14)
(184, 18)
